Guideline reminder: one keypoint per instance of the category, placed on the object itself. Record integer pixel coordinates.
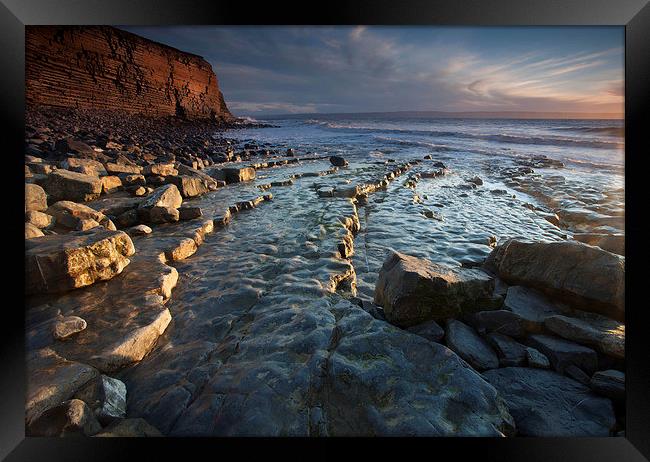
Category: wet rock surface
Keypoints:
(245, 309)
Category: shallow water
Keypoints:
(257, 301)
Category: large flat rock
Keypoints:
(330, 369)
(58, 263)
(412, 290)
(545, 403)
(587, 277)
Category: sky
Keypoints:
(331, 69)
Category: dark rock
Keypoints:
(605, 335)
(577, 374)
(510, 352)
(467, 344)
(544, 403)
(70, 145)
(609, 383)
(499, 321)
(189, 213)
(412, 290)
(106, 396)
(338, 161)
(585, 276)
(536, 359)
(562, 353)
(532, 307)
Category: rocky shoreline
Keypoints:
(528, 341)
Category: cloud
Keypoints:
(371, 68)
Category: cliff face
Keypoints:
(102, 67)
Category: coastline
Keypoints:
(218, 295)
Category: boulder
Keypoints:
(510, 352)
(190, 186)
(74, 216)
(588, 277)
(86, 166)
(338, 161)
(160, 170)
(545, 403)
(73, 186)
(106, 396)
(603, 334)
(237, 175)
(69, 418)
(59, 263)
(130, 428)
(466, 343)
(167, 196)
(563, 353)
(67, 326)
(609, 383)
(111, 184)
(32, 231)
(35, 198)
(429, 330)
(210, 182)
(189, 213)
(39, 219)
(412, 290)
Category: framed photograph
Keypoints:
(373, 221)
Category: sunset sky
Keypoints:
(279, 70)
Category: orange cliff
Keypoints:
(101, 67)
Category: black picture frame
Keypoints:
(634, 15)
